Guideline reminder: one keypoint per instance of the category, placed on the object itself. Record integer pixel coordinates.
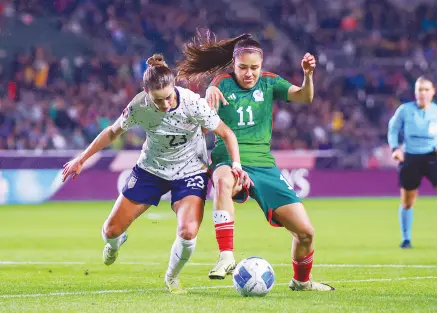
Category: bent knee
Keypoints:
(306, 235)
(408, 204)
(224, 184)
(188, 231)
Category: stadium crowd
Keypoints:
(369, 54)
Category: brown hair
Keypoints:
(205, 56)
(157, 75)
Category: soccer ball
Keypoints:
(253, 277)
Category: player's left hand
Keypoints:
(308, 63)
(242, 176)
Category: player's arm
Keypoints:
(395, 126)
(103, 140)
(230, 141)
(304, 94)
(209, 120)
(214, 96)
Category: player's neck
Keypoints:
(425, 107)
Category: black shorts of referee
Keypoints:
(415, 167)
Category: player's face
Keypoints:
(164, 99)
(247, 67)
(424, 92)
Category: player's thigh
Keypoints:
(189, 213)
(409, 174)
(222, 177)
(144, 187)
(124, 212)
(271, 191)
(295, 219)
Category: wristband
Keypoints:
(236, 165)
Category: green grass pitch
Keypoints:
(50, 260)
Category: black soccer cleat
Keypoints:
(406, 244)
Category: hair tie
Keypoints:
(246, 49)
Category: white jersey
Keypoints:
(175, 146)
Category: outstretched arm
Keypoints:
(104, 139)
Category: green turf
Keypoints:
(354, 232)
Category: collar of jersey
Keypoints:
(246, 89)
(177, 100)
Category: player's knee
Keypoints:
(188, 231)
(306, 235)
(224, 185)
(408, 203)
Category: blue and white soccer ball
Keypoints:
(253, 277)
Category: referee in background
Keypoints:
(417, 121)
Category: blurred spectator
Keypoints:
(369, 54)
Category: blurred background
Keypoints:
(69, 67)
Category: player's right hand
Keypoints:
(73, 167)
(214, 96)
(398, 155)
(242, 176)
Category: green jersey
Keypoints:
(249, 115)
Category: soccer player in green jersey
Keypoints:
(244, 101)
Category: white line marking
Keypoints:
(39, 263)
(339, 265)
(213, 264)
(97, 292)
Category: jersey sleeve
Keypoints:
(395, 126)
(281, 88)
(127, 118)
(203, 114)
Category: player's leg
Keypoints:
(223, 218)
(283, 207)
(122, 215)
(188, 198)
(142, 189)
(189, 212)
(406, 214)
(409, 181)
(295, 219)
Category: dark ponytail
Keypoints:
(204, 56)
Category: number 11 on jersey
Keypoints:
(251, 118)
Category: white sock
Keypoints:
(180, 253)
(226, 254)
(115, 243)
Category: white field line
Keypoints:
(213, 264)
(98, 292)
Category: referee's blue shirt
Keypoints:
(419, 128)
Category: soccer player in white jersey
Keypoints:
(173, 158)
